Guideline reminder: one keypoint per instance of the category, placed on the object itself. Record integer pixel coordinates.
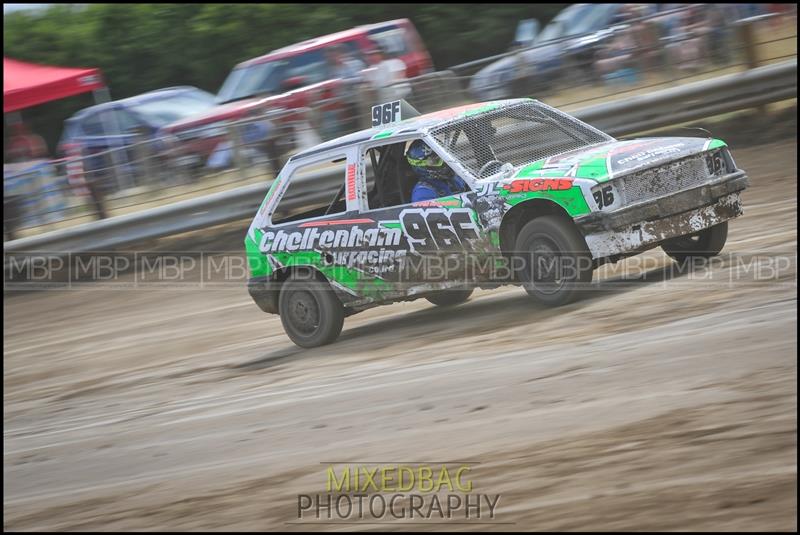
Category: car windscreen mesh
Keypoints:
(518, 134)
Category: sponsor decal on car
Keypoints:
(335, 222)
(313, 238)
(537, 184)
(351, 182)
(649, 154)
(381, 260)
(436, 202)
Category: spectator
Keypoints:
(689, 39)
(341, 65)
(32, 192)
(398, 68)
(386, 75)
(615, 60)
(718, 34)
(646, 35)
(24, 145)
(779, 12)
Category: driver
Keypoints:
(434, 178)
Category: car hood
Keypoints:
(541, 53)
(604, 161)
(222, 112)
(486, 74)
(241, 108)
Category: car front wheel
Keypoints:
(704, 244)
(553, 260)
(310, 312)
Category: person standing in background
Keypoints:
(386, 76)
(342, 66)
(398, 68)
(25, 145)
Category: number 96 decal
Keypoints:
(604, 195)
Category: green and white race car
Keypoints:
(547, 199)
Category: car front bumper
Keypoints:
(646, 224)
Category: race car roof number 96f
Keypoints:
(392, 112)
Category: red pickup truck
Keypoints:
(298, 75)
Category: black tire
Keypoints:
(704, 244)
(310, 312)
(552, 242)
(454, 296)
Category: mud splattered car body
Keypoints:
(523, 161)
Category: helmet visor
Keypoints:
(431, 160)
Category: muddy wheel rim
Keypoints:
(304, 312)
(545, 269)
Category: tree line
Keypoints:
(141, 47)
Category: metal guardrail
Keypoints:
(175, 218)
(696, 100)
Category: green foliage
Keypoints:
(141, 47)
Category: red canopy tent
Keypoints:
(27, 84)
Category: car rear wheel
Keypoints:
(553, 260)
(454, 296)
(310, 312)
(704, 244)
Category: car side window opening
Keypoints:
(390, 178)
(354, 50)
(304, 184)
(128, 122)
(392, 39)
(92, 126)
(105, 123)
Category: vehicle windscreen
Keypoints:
(515, 135)
(269, 77)
(594, 19)
(161, 111)
(563, 24)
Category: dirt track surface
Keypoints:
(664, 401)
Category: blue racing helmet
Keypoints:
(426, 163)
